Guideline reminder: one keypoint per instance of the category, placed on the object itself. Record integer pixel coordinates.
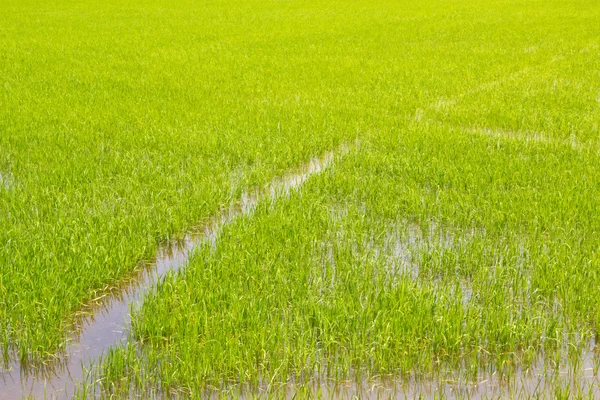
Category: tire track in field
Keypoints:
(527, 137)
(444, 102)
(531, 137)
(104, 322)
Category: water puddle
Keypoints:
(105, 321)
(404, 244)
(7, 181)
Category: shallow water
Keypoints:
(7, 181)
(543, 379)
(105, 321)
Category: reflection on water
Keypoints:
(544, 379)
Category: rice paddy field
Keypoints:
(299, 199)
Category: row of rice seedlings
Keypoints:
(70, 245)
(105, 321)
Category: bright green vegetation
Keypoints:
(121, 125)
(461, 233)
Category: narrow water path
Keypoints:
(105, 322)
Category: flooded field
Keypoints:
(307, 199)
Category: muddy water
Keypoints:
(105, 322)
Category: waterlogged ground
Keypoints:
(333, 283)
(450, 247)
